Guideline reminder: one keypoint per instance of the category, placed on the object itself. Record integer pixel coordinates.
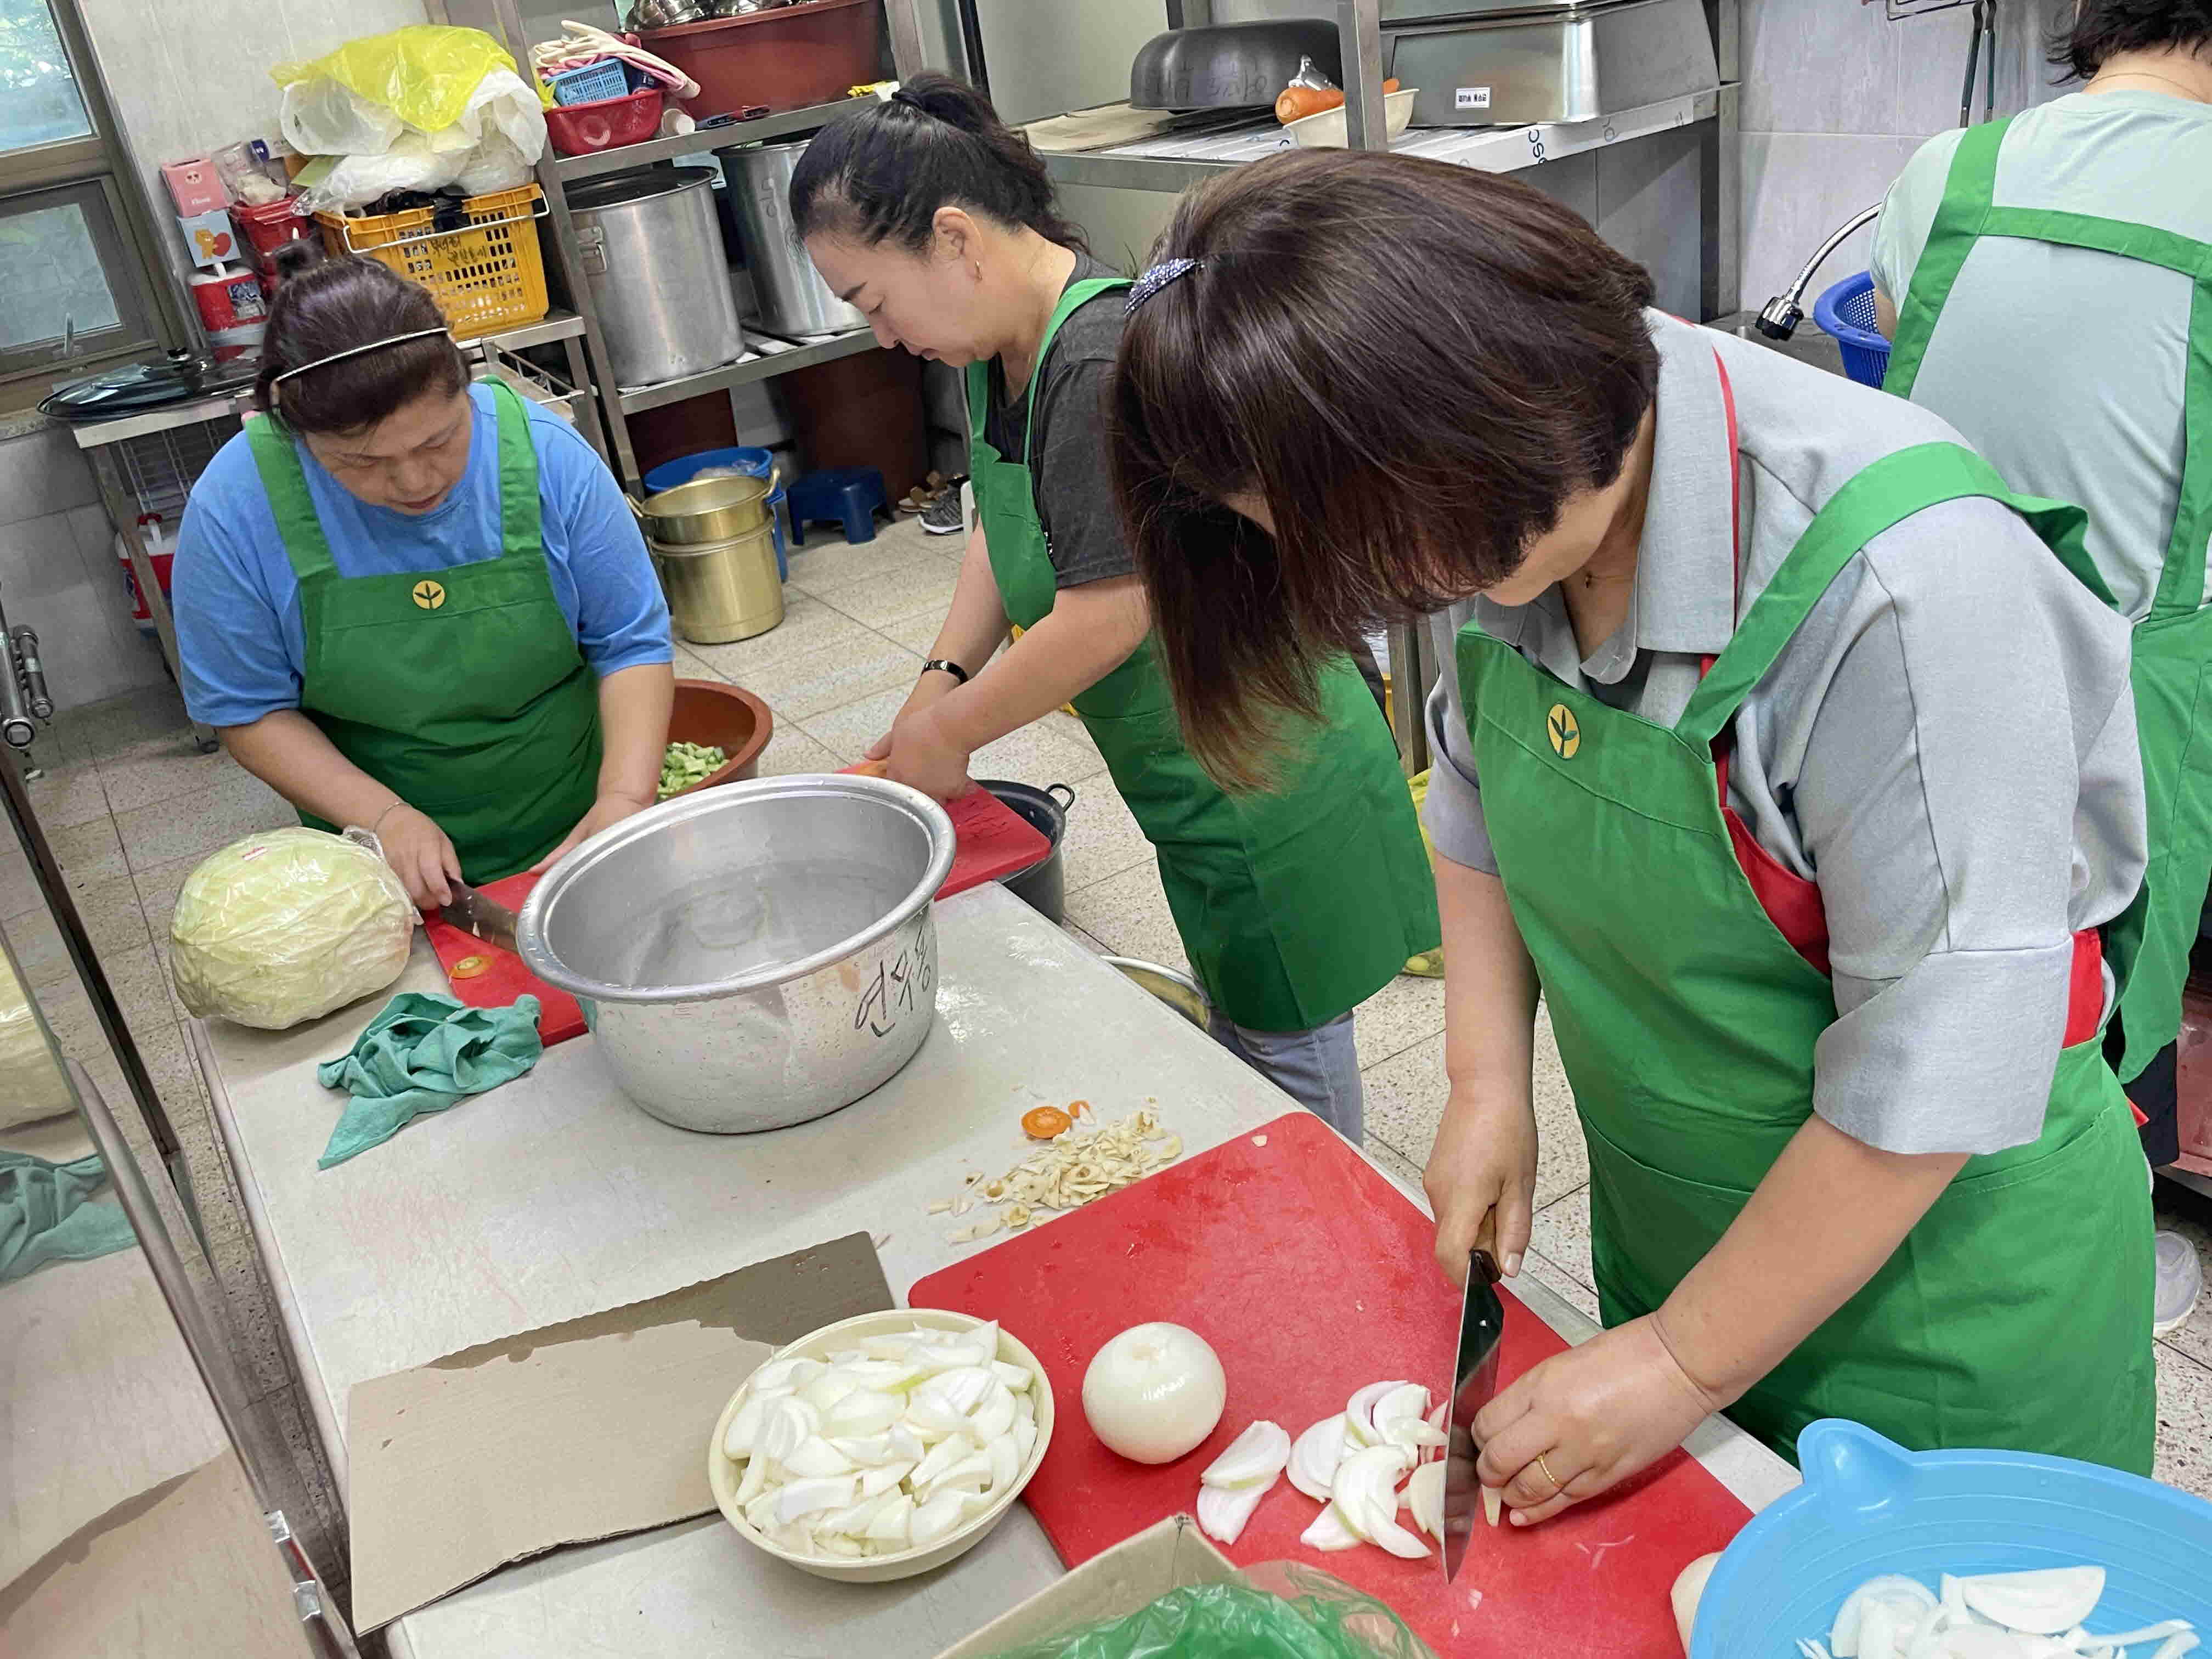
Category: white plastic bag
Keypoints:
(493, 146)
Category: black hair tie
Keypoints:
(902, 96)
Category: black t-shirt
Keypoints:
(1068, 469)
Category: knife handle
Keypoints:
(1481, 1262)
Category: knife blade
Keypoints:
(1473, 1380)
(487, 919)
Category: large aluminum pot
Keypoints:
(794, 298)
(652, 253)
(752, 956)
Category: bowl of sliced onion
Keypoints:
(883, 1446)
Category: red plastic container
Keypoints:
(604, 123)
(786, 58)
(269, 228)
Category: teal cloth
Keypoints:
(420, 1054)
(44, 1215)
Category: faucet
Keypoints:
(1779, 317)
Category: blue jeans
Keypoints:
(1319, 1068)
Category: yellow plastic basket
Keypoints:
(487, 277)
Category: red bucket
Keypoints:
(604, 123)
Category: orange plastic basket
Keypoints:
(487, 277)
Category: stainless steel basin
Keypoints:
(753, 955)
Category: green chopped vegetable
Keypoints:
(686, 763)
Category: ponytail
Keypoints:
(882, 174)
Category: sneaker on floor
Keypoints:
(943, 516)
(2180, 1282)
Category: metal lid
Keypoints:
(617, 189)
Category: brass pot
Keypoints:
(704, 510)
(724, 590)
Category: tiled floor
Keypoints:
(130, 809)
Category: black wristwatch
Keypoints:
(943, 666)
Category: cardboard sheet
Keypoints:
(182, 1571)
(573, 1432)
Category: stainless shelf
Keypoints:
(778, 125)
(1174, 164)
(554, 325)
(745, 374)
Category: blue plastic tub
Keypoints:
(588, 83)
(1868, 1506)
(1846, 311)
(755, 463)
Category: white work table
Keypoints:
(554, 1196)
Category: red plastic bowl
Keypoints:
(604, 123)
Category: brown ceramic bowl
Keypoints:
(726, 717)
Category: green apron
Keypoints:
(2173, 666)
(462, 689)
(2017, 1312)
(1295, 905)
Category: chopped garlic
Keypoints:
(1068, 1172)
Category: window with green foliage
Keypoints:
(73, 269)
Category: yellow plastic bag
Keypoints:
(424, 73)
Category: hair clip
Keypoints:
(1157, 278)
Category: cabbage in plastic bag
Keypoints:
(31, 1084)
(1278, 1610)
(287, 925)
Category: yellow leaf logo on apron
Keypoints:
(429, 595)
(1566, 736)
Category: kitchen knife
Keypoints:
(488, 919)
(1473, 1380)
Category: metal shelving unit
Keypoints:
(503, 21)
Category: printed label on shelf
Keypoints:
(1471, 97)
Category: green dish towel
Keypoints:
(43, 1216)
(420, 1054)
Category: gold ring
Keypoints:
(1558, 1485)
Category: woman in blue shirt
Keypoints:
(417, 606)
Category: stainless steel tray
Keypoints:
(1563, 63)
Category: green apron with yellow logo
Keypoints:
(1295, 905)
(2017, 1313)
(2172, 662)
(463, 689)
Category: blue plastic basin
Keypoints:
(1868, 1506)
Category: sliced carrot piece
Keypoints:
(1045, 1122)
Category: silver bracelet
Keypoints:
(385, 813)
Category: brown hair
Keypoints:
(1413, 364)
(325, 305)
(881, 172)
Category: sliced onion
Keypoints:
(1425, 1491)
(1253, 1458)
(869, 1451)
(786, 1422)
(1016, 1377)
(994, 1418)
(860, 1413)
(1358, 1414)
(744, 1427)
(905, 1443)
(1366, 1492)
(1398, 1413)
(1315, 1456)
(795, 1498)
(782, 1376)
(1222, 1510)
(1025, 1434)
(1006, 1459)
(815, 1457)
(827, 1390)
(2039, 1603)
(934, 1516)
(753, 1483)
(971, 1473)
(891, 1522)
(1843, 1634)
(953, 1448)
(1329, 1532)
(876, 1482)
(850, 1523)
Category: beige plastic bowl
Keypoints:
(722, 1473)
(1328, 130)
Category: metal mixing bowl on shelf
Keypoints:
(753, 955)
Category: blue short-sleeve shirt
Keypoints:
(240, 637)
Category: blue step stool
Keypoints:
(850, 496)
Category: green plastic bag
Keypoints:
(1300, 1613)
(424, 73)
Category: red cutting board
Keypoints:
(1311, 1275)
(504, 977)
(990, 839)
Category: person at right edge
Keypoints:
(2047, 281)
